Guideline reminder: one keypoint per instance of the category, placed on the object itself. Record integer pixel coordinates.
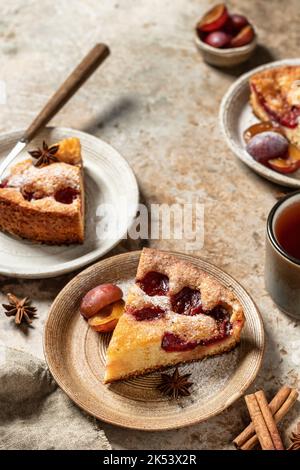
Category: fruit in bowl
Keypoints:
(218, 39)
(220, 29)
(214, 19)
(245, 36)
(238, 21)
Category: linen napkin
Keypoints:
(36, 414)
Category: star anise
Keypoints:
(175, 385)
(20, 308)
(295, 438)
(45, 156)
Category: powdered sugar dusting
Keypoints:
(47, 179)
(157, 300)
(210, 375)
(125, 285)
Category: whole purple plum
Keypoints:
(266, 146)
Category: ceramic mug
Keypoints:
(282, 271)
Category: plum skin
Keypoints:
(214, 19)
(98, 298)
(245, 36)
(218, 39)
(239, 21)
(267, 146)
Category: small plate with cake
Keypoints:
(67, 200)
(260, 119)
(116, 327)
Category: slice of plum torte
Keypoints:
(42, 199)
(174, 313)
(275, 96)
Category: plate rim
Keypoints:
(241, 154)
(70, 266)
(220, 409)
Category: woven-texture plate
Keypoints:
(236, 116)
(76, 357)
(109, 184)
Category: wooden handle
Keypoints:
(79, 75)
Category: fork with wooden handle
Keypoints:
(79, 75)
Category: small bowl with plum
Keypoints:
(225, 39)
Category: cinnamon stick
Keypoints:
(259, 423)
(279, 405)
(269, 419)
(291, 400)
(275, 405)
(251, 440)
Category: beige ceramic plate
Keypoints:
(236, 116)
(111, 203)
(76, 358)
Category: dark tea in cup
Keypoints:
(282, 261)
(287, 229)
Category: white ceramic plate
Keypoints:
(236, 116)
(110, 185)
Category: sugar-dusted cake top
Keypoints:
(46, 180)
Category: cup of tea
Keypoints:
(282, 263)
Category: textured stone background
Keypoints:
(157, 103)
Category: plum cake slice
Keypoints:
(174, 313)
(275, 96)
(42, 199)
